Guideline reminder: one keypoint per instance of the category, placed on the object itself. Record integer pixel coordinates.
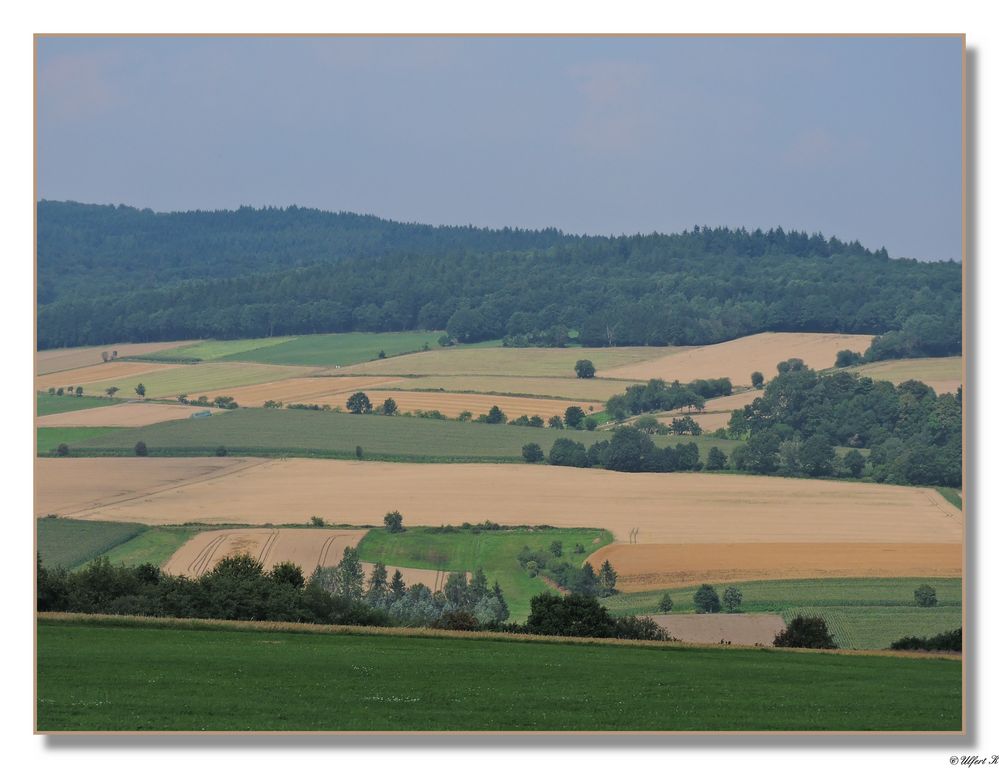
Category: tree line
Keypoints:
(110, 273)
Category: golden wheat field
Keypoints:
(739, 358)
(121, 415)
(53, 360)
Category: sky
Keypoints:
(854, 137)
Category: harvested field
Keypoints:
(53, 360)
(451, 404)
(739, 358)
(941, 373)
(309, 548)
(643, 567)
(168, 381)
(506, 361)
(552, 386)
(122, 415)
(320, 390)
(728, 628)
(666, 508)
(92, 377)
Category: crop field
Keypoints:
(46, 404)
(493, 551)
(112, 674)
(506, 361)
(92, 378)
(153, 545)
(325, 434)
(309, 548)
(595, 389)
(941, 373)
(213, 349)
(338, 349)
(49, 438)
(318, 390)
(673, 508)
(121, 415)
(652, 566)
(452, 405)
(861, 613)
(739, 358)
(730, 628)
(54, 360)
(69, 543)
(168, 381)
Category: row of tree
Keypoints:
(628, 450)
(249, 273)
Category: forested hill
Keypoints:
(110, 273)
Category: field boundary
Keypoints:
(157, 622)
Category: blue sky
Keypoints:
(858, 138)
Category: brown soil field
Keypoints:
(642, 567)
(550, 386)
(666, 508)
(53, 360)
(739, 358)
(100, 372)
(730, 628)
(320, 390)
(941, 373)
(308, 548)
(451, 404)
(123, 415)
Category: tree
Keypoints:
(141, 449)
(608, 579)
(465, 416)
(555, 548)
(716, 459)
(847, 357)
(532, 453)
(317, 521)
(393, 522)
(62, 449)
(221, 451)
(389, 407)
(757, 379)
(359, 451)
(926, 596)
(629, 451)
(569, 616)
(288, 573)
(358, 403)
(805, 632)
(351, 575)
(79, 391)
(397, 585)
(140, 389)
(732, 598)
(666, 603)
(555, 422)
(854, 462)
(817, 456)
(378, 583)
(706, 599)
(567, 453)
(381, 354)
(590, 423)
(495, 416)
(60, 391)
(574, 416)
(585, 369)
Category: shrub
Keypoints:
(590, 423)
(706, 599)
(555, 548)
(926, 596)
(358, 451)
(141, 449)
(317, 521)
(532, 453)
(461, 621)
(805, 632)
(945, 641)
(62, 449)
(221, 451)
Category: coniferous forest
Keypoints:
(114, 273)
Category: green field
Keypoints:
(47, 404)
(191, 379)
(70, 543)
(49, 438)
(493, 551)
(510, 361)
(119, 675)
(336, 348)
(213, 350)
(268, 432)
(861, 613)
(953, 495)
(152, 545)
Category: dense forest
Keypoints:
(114, 273)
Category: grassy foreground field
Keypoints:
(69, 543)
(267, 432)
(98, 674)
(49, 438)
(493, 551)
(47, 404)
(861, 613)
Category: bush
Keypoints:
(358, 451)
(62, 449)
(532, 453)
(585, 369)
(317, 521)
(590, 423)
(666, 603)
(465, 416)
(757, 379)
(221, 451)
(805, 632)
(555, 548)
(847, 357)
(926, 596)
(706, 599)
(141, 449)
(945, 641)
(461, 621)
